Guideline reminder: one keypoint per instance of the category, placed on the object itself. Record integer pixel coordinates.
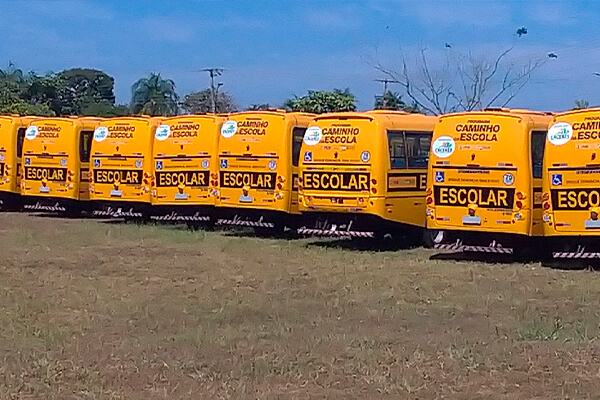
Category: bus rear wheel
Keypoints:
(431, 237)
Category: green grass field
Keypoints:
(95, 310)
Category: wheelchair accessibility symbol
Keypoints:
(556, 179)
(308, 156)
(223, 163)
(439, 176)
(96, 163)
(159, 165)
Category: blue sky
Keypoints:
(275, 49)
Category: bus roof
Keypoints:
(205, 115)
(501, 112)
(280, 112)
(581, 111)
(373, 115)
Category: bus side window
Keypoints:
(417, 149)
(397, 149)
(20, 139)
(297, 137)
(85, 144)
(538, 142)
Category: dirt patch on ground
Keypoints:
(120, 311)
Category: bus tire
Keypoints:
(431, 237)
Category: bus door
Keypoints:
(407, 175)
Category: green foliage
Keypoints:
(393, 101)
(22, 108)
(201, 103)
(580, 104)
(70, 92)
(319, 102)
(154, 96)
(105, 109)
(260, 107)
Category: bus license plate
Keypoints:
(246, 199)
(592, 224)
(468, 220)
(116, 193)
(44, 189)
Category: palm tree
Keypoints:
(12, 73)
(154, 96)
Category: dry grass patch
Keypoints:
(120, 311)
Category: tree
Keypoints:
(81, 88)
(580, 104)
(260, 107)
(201, 103)
(154, 96)
(463, 81)
(319, 102)
(105, 109)
(393, 101)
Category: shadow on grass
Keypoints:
(546, 262)
(363, 244)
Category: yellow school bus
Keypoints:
(12, 134)
(484, 181)
(258, 164)
(186, 171)
(571, 188)
(121, 167)
(363, 174)
(56, 163)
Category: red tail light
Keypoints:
(429, 200)
(373, 190)
(519, 204)
(280, 186)
(374, 181)
(546, 206)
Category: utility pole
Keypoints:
(385, 83)
(213, 93)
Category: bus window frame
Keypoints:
(418, 136)
(82, 133)
(391, 134)
(296, 154)
(542, 135)
(20, 141)
(408, 160)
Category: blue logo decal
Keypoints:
(159, 165)
(224, 163)
(439, 176)
(96, 163)
(556, 179)
(27, 161)
(308, 156)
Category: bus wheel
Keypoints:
(431, 237)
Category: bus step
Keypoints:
(336, 233)
(176, 217)
(573, 254)
(240, 222)
(43, 207)
(478, 249)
